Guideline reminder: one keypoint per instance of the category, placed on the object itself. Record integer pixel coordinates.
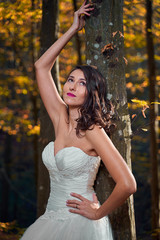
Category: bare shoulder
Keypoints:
(97, 135)
(100, 141)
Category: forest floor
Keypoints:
(10, 230)
(10, 236)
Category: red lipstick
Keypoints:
(71, 95)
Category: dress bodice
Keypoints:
(70, 170)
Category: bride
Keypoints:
(82, 123)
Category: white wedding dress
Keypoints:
(71, 170)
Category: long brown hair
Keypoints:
(96, 109)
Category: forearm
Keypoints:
(47, 60)
(116, 199)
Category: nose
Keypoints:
(72, 87)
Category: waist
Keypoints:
(57, 199)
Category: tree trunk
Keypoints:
(104, 49)
(77, 39)
(34, 97)
(49, 35)
(5, 186)
(153, 123)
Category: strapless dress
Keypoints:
(70, 170)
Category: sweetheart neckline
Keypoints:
(69, 147)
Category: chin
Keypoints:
(72, 105)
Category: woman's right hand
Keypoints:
(79, 22)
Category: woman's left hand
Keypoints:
(84, 206)
(79, 20)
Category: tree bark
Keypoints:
(153, 112)
(49, 35)
(34, 97)
(104, 49)
(77, 39)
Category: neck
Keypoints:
(73, 115)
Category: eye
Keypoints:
(83, 83)
(69, 80)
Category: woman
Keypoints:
(79, 120)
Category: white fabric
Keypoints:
(71, 170)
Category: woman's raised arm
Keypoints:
(49, 94)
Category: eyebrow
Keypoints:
(79, 79)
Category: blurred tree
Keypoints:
(138, 87)
(104, 49)
(49, 34)
(18, 93)
(153, 123)
(5, 184)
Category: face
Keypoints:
(74, 90)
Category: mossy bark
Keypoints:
(105, 50)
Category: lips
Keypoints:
(71, 95)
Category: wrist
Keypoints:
(97, 215)
(73, 29)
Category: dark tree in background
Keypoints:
(77, 38)
(153, 113)
(104, 49)
(49, 35)
(5, 184)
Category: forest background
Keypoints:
(20, 26)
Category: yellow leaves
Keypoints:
(157, 57)
(11, 229)
(134, 87)
(140, 102)
(158, 118)
(24, 91)
(21, 80)
(144, 129)
(134, 115)
(140, 72)
(149, 30)
(143, 104)
(33, 130)
(127, 75)
(155, 102)
(158, 78)
(144, 84)
(129, 84)
(26, 116)
(4, 91)
(137, 58)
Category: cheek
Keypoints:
(64, 88)
(84, 95)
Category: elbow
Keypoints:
(37, 65)
(131, 186)
(128, 186)
(40, 66)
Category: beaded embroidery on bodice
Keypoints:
(70, 170)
